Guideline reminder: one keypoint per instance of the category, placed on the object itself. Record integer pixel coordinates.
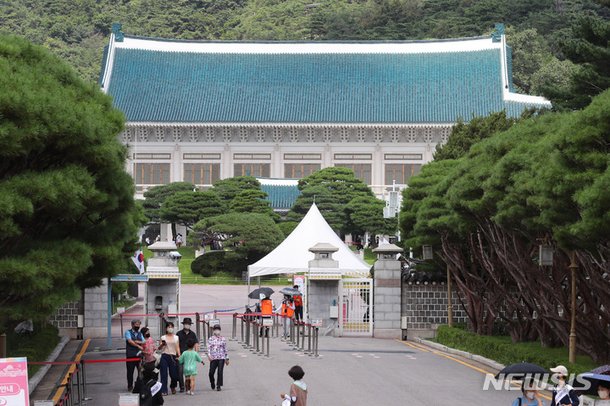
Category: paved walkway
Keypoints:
(349, 371)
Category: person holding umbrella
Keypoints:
(298, 305)
(531, 395)
(603, 391)
(600, 385)
(563, 394)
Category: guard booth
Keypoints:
(344, 304)
(163, 288)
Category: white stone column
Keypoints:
(176, 175)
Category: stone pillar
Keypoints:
(96, 311)
(387, 296)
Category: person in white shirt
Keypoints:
(170, 348)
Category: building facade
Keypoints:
(199, 111)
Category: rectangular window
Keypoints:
(152, 156)
(353, 157)
(362, 171)
(403, 157)
(151, 174)
(201, 156)
(299, 157)
(252, 156)
(256, 170)
(401, 173)
(298, 171)
(201, 173)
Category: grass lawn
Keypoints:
(369, 256)
(222, 278)
(121, 303)
(35, 346)
(503, 350)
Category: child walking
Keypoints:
(298, 389)
(189, 360)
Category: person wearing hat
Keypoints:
(218, 356)
(185, 335)
(563, 394)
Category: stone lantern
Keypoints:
(163, 288)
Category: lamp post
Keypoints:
(449, 299)
(572, 342)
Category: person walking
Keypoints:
(563, 394)
(218, 356)
(298, 390)
(148, 348)
(185, 335)
(531, 395)
(298, 306)
(189, 360)
(170, 347)
(134, 340)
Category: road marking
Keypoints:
(60, 391)
(466, 364)
(412, 346)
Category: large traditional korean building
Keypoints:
(198, 111)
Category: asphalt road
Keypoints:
(349, 371)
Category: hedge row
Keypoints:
(504, 351)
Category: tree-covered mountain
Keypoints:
(554, 41)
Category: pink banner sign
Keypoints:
(14, 382)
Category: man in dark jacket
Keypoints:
(150, 394)
(185, 335)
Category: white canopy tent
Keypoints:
(293, 255)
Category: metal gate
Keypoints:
(356, 307)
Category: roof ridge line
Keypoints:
(216, 41)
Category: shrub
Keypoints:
(502, 350)
(209, 263)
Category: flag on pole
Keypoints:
(138, 261)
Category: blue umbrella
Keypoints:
(603, 370)
(595, 380)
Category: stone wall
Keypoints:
(425, 306)
(66, 319)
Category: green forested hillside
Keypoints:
(542, 32)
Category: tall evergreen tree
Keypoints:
(67, 213)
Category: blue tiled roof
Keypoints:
(160, 86)
(282, 197)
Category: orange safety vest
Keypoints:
(266, 307)
(287, 311)
(298, 300)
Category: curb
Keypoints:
(34, 381)
(482, 360)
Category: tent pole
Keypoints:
(259, 282)
(248, 293)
